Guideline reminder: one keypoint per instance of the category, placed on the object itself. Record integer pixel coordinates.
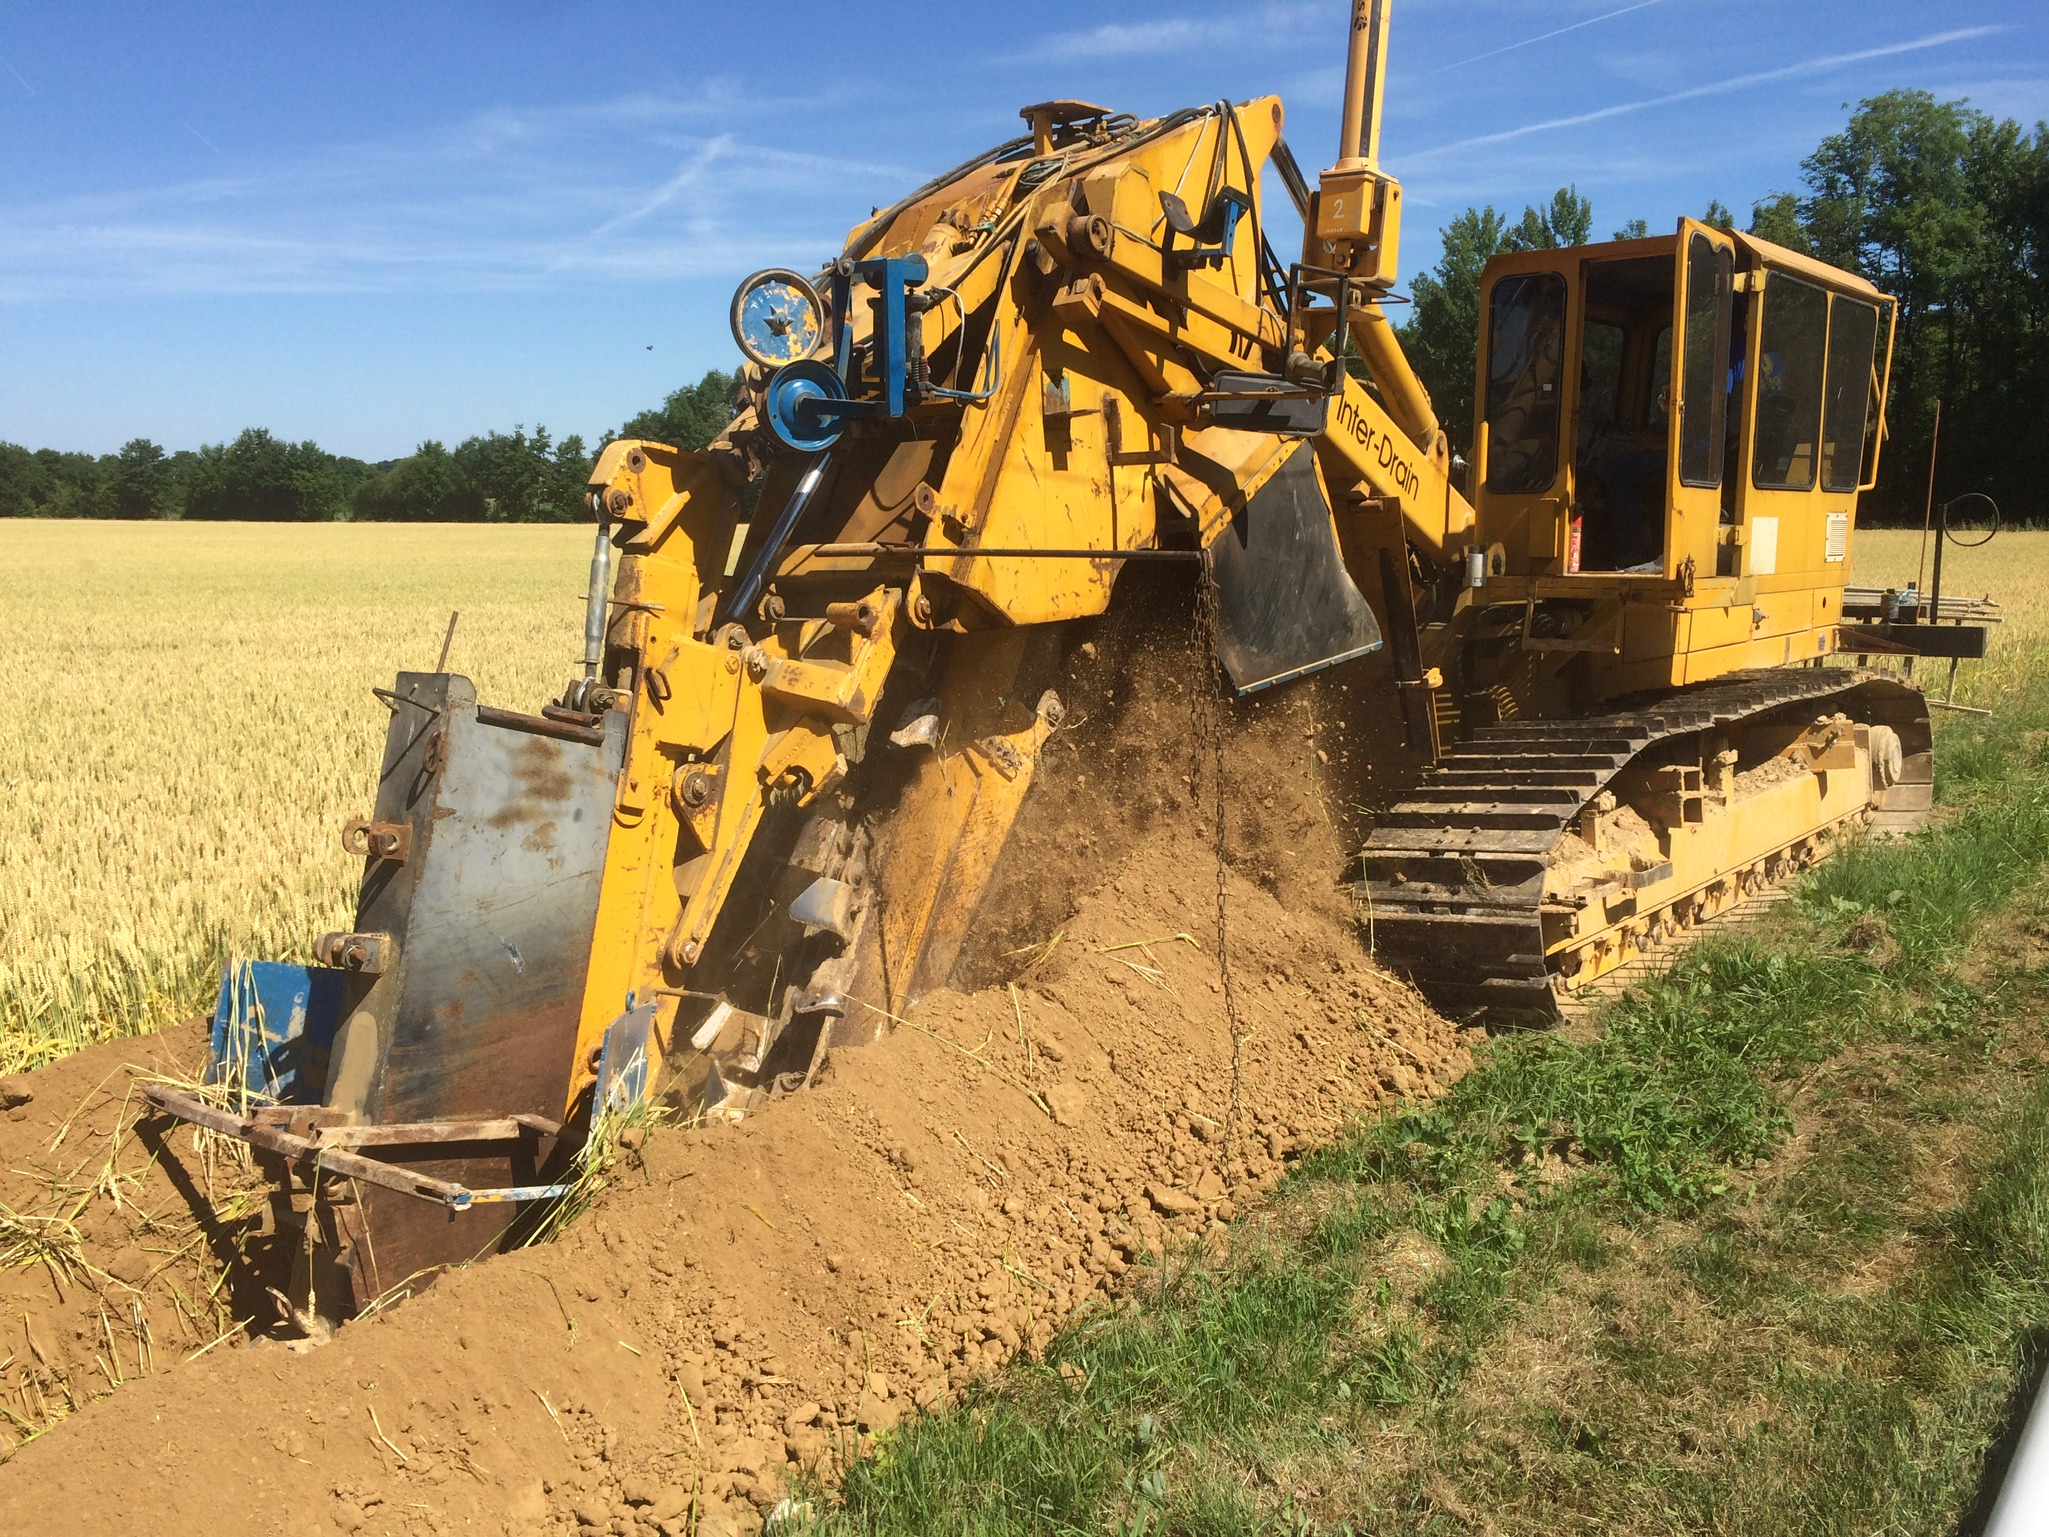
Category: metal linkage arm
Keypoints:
(325, 1150)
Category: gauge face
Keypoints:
(777, 318)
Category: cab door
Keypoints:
(1699, 394)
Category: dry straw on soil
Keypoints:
(186, 721)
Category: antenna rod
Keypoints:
(1928, 512)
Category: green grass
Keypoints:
(1762, 1252)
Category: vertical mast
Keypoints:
(1365, 75)
(1357, 224)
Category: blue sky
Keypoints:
(373, 224)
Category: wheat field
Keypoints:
(186, 722)
(2013, 569)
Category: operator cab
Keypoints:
(1625, 435)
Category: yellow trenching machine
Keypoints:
(762, 821)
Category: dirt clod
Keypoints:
(1068, 1102)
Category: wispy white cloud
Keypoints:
(1275, 25)
(1813, 66)
(1542, 37)
(627, 190)
(691, 175)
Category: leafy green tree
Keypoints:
(1635, 229)
(354, 474)
(138, 483)
(1718, 215)
(1891, 196)
(179, 472)
(1777, 219)
(262, 478)
(45, 483)
(525, 478)
(1568, 221)
(1943, 207)
(427, 486)
(572, 476)
(500, 477)
(18, 482)
(691, 417)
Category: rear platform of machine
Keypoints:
(411, 1082)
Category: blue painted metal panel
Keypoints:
(623, 1064)
(273, 1027)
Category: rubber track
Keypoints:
(1454, 872)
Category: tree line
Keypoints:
(1936, 203)
(1939, 205)
(505, 477)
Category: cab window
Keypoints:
(1787, 434)
(1702, 391)
(1623, 431)
(1874, 413)
(1600, 390)
(1852, 387)
(1525, 365)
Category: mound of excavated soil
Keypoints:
(750, 1297)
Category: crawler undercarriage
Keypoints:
(1543, 855)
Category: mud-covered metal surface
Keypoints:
(484, 932)
(1286, 606)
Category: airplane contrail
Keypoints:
(695, 167)
(1713, 88)
(1542, 37)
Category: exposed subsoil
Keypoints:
(749, 1298)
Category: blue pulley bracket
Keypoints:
(807, 406)
(807, 401)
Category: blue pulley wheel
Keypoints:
(800, 401)
(777, 318)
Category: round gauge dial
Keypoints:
(777, 318)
